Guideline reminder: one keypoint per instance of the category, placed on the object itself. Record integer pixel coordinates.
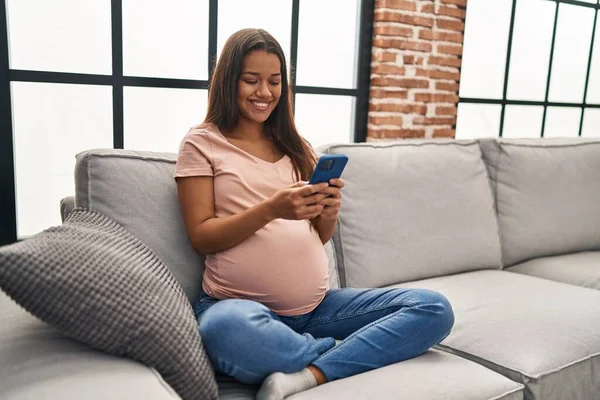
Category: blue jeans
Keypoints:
(378, 327)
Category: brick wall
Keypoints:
(415, 68)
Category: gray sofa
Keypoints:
(508, 230)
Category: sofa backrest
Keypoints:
(137, 190)
(413, 210)
(547, 195)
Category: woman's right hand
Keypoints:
(298, 201)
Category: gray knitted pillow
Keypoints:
(99, 284)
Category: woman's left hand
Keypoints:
(333, 201)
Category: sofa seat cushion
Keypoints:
(541, 333)
(582, 269)
(431, 376)
(405, 204)
(39, 362)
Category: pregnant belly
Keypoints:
(283, 266)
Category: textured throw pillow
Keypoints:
(99, 284)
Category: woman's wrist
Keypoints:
(266, 211)
(325, 228)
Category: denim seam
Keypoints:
(358, 332)
(355, 314)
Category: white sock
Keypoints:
(278, 385)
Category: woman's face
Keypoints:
(259, 87)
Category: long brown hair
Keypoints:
(223, 110)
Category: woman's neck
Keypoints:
(248, 130)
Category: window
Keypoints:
(536, 63)
(134, 74)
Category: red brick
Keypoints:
(397, 4)
(402, 44)
(444, 132)
(437, 74)
(408, 59)
(427, 8)
(385, 56)
(442, 110)
(388, 94)
(415, 83)
(450, 86)
(436, 98)
(434, 121)
(452, 49)
(396, 133)
(387, 120)
(452, 12)
(451, 25)
(446, 61)
(428, 34)
(417, 46)
(393, 30)
(399, 108)
(460, 3)
(402, 82)
(403, 18)
(387, 69)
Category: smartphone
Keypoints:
(329, 166)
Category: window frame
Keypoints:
(8, 207)
(545, 103)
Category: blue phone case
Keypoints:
(329, 166)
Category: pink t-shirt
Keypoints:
(283, 265)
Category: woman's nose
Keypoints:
(263, 91)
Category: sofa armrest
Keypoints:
(39, 362)
(66, 206)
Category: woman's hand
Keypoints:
(333, 201)
(298, 201)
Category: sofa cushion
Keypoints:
(137, 190)
(414, 210)
(334, 279)
(431, 376)
(40, 362)
(67, 205)
(547, 195)
(97, 283)
(582, 269)
(541, 333)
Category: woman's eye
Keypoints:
(250, 82)
(275, 83)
